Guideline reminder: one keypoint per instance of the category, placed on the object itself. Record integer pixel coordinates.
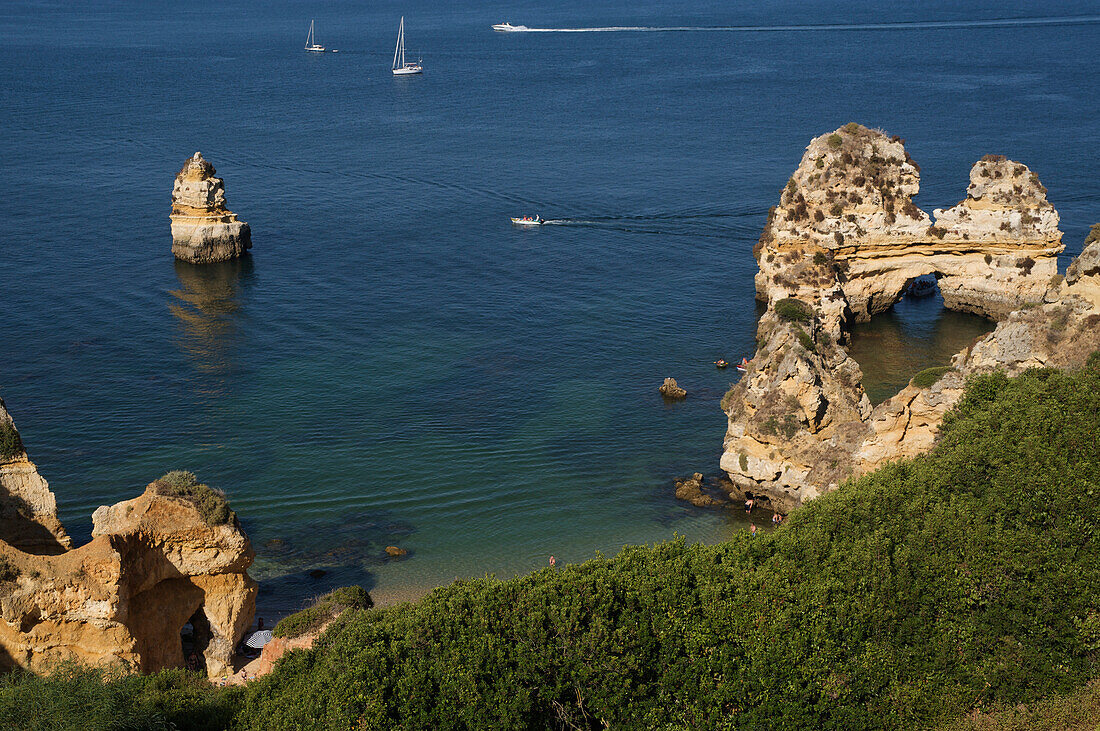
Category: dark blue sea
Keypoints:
(397, 365)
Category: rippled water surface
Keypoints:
(395, 364)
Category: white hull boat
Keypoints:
(400, 66)
(312, 46)
(508, 27)
(525, 221)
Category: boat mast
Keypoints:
(400, 49)
(309, 38)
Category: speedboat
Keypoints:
(528, 221)
(507, 27)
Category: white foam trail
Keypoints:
(915, 25)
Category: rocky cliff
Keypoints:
(203, 229)
(843, 244)
(28, 510)
(155, 564)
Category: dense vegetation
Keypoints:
(928, 377)
(211, 503)
(10, 443)
(794, 310)
(962, 581)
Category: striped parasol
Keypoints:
(258, 639)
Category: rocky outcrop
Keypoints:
(848, 208)
(28, 510)
(203, 229)
(155, 564)
(799, 422)
(671, 389)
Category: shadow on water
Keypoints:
(917, 333)
(314, 557)
(209, 307)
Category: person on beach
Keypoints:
(553, 562)
(775, 519)
(748, 505)
(752, 529)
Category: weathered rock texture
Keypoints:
(671, 389)
(843, 243)
(849, 206)
(152, 566)
(203, 229)
(28, 510)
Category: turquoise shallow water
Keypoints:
(395, 364)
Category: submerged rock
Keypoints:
(203, 229)
(670, 389)
(691, 490)
(394, 551)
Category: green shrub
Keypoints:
(325, 608)
(76, 697)
(927, 377)
(819, 257)
(794, 310)
(211, 503)
(8, 570)
(10, 443)
(743, 460)
(834, 141)
(852, 127)
(805, 340)
(1094, 234)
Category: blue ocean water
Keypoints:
(395, 364)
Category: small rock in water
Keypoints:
(317, 573)
(671, 389)
(691, 490)
(395, 551)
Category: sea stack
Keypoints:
(203, 229)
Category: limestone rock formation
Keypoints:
(203, 229)
(799, 421)
(154, 565)
(671, 389)
(848, 208)
(28, 510)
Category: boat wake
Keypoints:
(914, 25)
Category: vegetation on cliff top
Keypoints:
(313, 617)
(928, 377)
(10, 442)
(211, 503)
(966, 579)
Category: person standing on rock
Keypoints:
(749, 504)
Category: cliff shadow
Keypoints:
(20, 529)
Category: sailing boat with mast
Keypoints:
(400, 66)
(311, 42)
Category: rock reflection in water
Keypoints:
(914, 335)
(208, 305)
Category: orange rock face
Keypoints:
(153, 566)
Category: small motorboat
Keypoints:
(528, 221)
(508, 27)
(921, 288)
(721, 363)
(743, 365)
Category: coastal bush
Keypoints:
(929, 376)
(794, 310)
(10, 442)
(1094, 234)
(834, 141)
(211, 503)
(966, 592)
(75, 697)
(805, 340)
(325, 608)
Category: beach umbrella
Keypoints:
(258, 639)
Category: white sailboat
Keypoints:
(311, 42)
(400, 66)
